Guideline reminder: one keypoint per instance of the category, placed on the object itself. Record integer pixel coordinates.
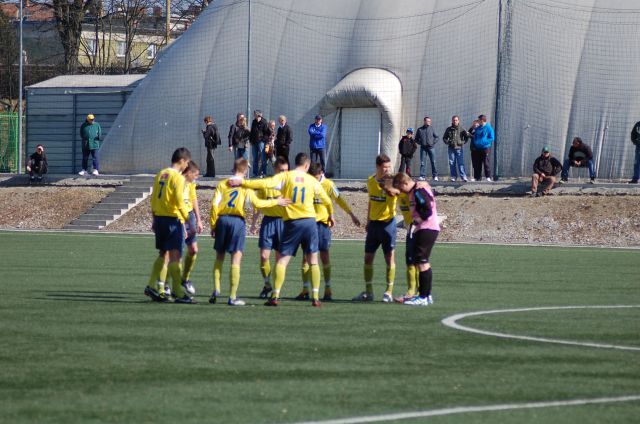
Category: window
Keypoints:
(151, 51)
(121, 48)
(91, 47)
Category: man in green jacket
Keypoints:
(90, 133)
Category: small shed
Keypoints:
(57, 107)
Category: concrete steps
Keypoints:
(116, 204)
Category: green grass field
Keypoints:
(80, 343)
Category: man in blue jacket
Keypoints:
(483, 138)
(318, 141)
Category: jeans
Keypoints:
(85, 158)
(240, 152)
(259, 157)
(424, 151)
(636, 165)
(317, 155)
(568, 164)
(405, 165)
(456, 155)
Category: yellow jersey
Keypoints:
(190, 195)
(229, 200)
(322, 213)
(167, 197)
(298, 186)
(270, 194)
(382, 207)
(405, 208)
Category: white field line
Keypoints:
(468, 409)
(452, 322)
(449, 244)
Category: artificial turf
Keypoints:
(80, 343)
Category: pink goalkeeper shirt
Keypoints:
(432, 222)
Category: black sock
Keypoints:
(425, 278)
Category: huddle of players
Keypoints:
(298, 211)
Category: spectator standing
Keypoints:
(427, 138)
(545, 169)
(90, 134)
(635, 139)
(483, 137)
(270, 147)
(232, 136)
(318, 141)
(455, 137)
(580, 156)
(284, 138)
(37, 165)
(407, 147)
(258, 139)
(211, 142)
(241, 138)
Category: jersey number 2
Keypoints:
(234, 196)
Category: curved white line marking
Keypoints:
(466, 409)
(452, 322)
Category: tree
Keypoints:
(9, 52)
(69, 17)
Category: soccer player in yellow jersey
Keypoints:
(169, 214)
(412, 270)
(324, 232)
(228, 228)
(193, 225)
(299, 221)
(381, 229)
(271, 228)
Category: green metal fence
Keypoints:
(9, 142)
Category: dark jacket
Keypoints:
(407, 147)
(38, 162)
(548, 166)
(259, 131)
(635, 134)
(426, 136)
(211, 136)
(455, 137)
(284, 137)
(241, 137)
(232, 131)
(582, 152)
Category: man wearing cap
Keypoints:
(90, 134)
(318, 141)
(545, 169)
(407, 147)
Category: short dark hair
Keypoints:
(315, 169)
(208, 118)
(192, 166)
(179, 154)
(281, 160)
(382, 159)
(482, 118)
(301, 159)
(578, 139)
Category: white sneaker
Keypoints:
(363, 297)
(453, 180)
(236, 302)
(472, 179)
(465, 179)
(83, 172)
(435, 179)
(489, 180)
(430, 300)
(387, 298)
(422, 179)
(167, 290)
(417, 301)
(188, 287)
(95, 172)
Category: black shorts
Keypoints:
(423, 241)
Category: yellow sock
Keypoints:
(278, 280)
(306, 276)
(391, 277)
(163, 272)
(175, 270)
(411, 280)
(234, 279)
(315, 281)
(189, 264)
(326, 272)
(368, 277)
(155, 272)
(217, 273)
(265, 270)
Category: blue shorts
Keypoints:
(324, 237)
(230, 234)
(169, 233)
(191, 225)
(271, 230)
(299, 232)
(408, 254)
(381, 233)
